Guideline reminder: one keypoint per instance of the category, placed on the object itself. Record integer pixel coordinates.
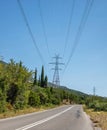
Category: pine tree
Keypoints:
(35, 78)
(42, 77)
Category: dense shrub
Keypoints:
(34, 99)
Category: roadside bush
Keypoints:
(91, 105)
(20, 102)
(2, 106)
(43, 98)
(34, 99)
(55, 101)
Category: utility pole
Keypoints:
(56, 79)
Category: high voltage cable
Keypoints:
(30, 31)
(43, 26)
(68, 28)
(87, 10)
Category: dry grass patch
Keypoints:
(99, 118)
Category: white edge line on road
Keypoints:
(20, 116)
(29, 114)
(42, 121)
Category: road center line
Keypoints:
(42, 121)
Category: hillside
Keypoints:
(76, 92)
(3, 62)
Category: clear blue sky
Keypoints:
(88, 66)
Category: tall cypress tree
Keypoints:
(42, 77)
(46, 81)
(35, 78)
(39, 81)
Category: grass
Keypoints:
(99, 118)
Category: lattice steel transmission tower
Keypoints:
(56, 79)
(94, 91)
(1, 58)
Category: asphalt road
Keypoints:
(62, 118)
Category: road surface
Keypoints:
(63, 118)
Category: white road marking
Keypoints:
(42, 121)
(20, 116)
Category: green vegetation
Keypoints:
(96, 107)
(20, 89)
(35, 78)
(96, 103)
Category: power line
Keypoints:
(68, 28)
(30, 31)
(43, 26)
(86, 12)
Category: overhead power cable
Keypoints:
(30, 31)
(68, 28)
(43, 26)
(86, 12)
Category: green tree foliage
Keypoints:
(43, 98)
(16, 91)
(42, 77)
(39, 81)
(12, 93)
(46, 81)
(96, 103)
(34, 99)
(19, 80)
(3, 88)
(14, 79)
(35, 78)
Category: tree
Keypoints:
(42, 77)
(39, 81)
(12, 93)
(2, 96)
(46, 81)
(43, 97)
(3, 87)
(35, 78)
(17, 80)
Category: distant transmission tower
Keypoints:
(56, 79)
(1, 58)
(94, 91)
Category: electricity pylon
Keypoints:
(1, 58)
(94, 91)
(56, 79)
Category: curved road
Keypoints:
(61, 118)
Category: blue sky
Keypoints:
(88, 66)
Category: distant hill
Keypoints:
(68, 89)
(3, 62)
(76, 92)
